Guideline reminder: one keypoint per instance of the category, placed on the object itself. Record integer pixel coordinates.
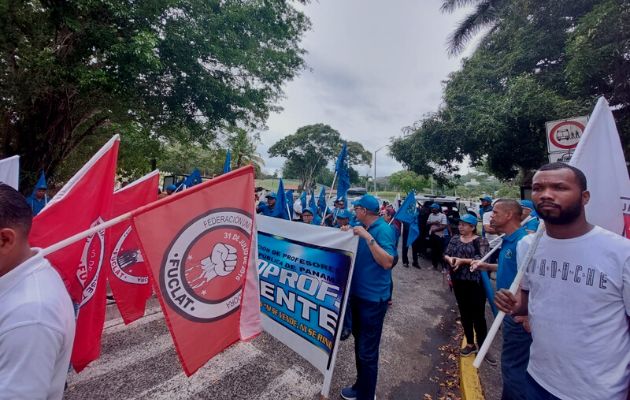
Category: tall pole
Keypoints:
(376, 151)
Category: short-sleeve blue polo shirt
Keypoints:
(370, 281)
(507, 258)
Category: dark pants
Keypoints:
(405, 248)
(437, 249)
(471, 300)
(536, 392)
(367, 326)
(514, 359)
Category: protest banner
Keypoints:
(197, 244)
(127, 273)
(82, 203)
(304, 286)
(10, 171)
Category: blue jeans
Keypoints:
(514, 359)
(367, 326)
(537, 392)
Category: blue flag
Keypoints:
(228, 161)
(408, 213)
(290, 201)
(321, 201)
(191, 180)
(41, 183)
(280, 208)
(342, 169)
(311, 201)
(303, 199)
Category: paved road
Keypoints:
(139, 361)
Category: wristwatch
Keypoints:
(371, 242)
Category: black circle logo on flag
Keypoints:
(125, 256)
(204, 267)
(91, 263)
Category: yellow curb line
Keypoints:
(469, 383)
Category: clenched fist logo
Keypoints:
(221, 262)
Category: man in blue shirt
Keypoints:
(267, 209)
(369, 293)
(506, 218)
(531, 226)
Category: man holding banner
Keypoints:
(369, 293)
(576, 292)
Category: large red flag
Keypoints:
(197, 244)
(79, 205)
(127, 272)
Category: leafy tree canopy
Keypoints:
(309, 150)
(166, 70)
(542, 61)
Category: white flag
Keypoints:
(600, 156)
(10, 171)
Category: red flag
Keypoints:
(127, 273)
(79, 205)
(197, 244)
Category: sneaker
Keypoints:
(406, 265)
(345, 334)
(468, 350)
(490, 360)
(349, 393)
(417, 265)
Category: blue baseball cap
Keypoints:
(271, 195)
(344, 214)
(308, 210)
(171, 187)
(469, 219)
(436, 206)
(527, 204)
(368, 202)
(486, 198)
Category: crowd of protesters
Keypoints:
(567, 330)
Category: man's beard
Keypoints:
(566, 216)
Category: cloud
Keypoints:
(374, 68)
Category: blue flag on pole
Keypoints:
(227, 163)
(313, 205)
(321, 201)
(191, 180)
(408, 213)
(290, 201)
(41, 183)
(342, 169)
(280, 208)
(303, 199)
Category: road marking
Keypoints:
(293, 383)
(182, 387)
(122, 358)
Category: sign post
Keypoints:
(563, 137)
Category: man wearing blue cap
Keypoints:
(528, 210)
(506, 218)
(267, 209)
(170, 189)
(369, 293)
(343, 218)
(38, 199)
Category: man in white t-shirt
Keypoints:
(576, 291)
(437, 224)
(36, 315)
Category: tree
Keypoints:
(243, 148)
(309, 150)
(524, 73)
(486, 14)
(168, 69)
(405, 181)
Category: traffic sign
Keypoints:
(563, 137)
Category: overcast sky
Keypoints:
(374, 67)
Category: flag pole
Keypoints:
(329, 196)
(513, 288)
(82, 235)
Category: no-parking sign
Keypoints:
(563, 137)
